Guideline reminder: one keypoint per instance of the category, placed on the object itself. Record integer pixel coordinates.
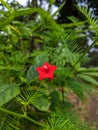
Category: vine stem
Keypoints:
(62, 95)
(21, 116)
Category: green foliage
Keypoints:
(57, 122)
(91, 19)
(7, 92)
(28, 38)
(9, 123)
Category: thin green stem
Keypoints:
(62, 95)
(21, 116)
(5, 59)
(59, 8)
(21, 45)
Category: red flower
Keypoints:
(46, 71)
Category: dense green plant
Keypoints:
(26, 102)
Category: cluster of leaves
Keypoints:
(26, 102)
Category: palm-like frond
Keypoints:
(27, 96)
(58, 122)
(68, 51)
(9, 123)
(69, 41)
(79, 87)
(75, 87)
(91, 19)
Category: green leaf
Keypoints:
(8, 92)
(42, 103)
(51, 1)
(39, 60)
(58, 122)
(94, 74)
(6, 21)
(88, 79)
(5, 4)
(9, 123)
(88, 70)
(76, 87)
(93, 21)
(96, 42)
(10, 68)
(24, 11)
(31, 73)
(16, 13)
(64, 72)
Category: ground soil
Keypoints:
(88, 110)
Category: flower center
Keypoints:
(45, 66)
(46, 69)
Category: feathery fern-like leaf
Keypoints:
(57, 122)
(91, 19)
(9, 123)
(27, 96)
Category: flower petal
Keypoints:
(46, 71)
